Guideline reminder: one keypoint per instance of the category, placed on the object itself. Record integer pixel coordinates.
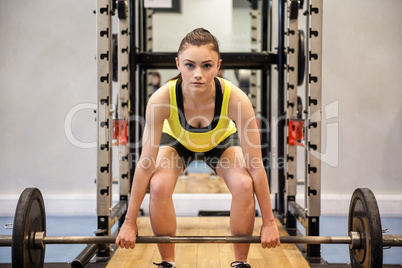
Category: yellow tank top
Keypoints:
(199, 139)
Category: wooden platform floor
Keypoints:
(201, 183)
(206, 255)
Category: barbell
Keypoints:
(365, 238)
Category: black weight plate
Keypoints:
(301, 61)
(29, 218)
(301, 4)
(293, 9)
(299, 108)
(122, 9)
(115, 62)
(364, 217)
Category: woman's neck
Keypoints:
(199, 98)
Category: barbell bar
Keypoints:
(39, 239)
(365, 239)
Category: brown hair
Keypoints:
(198, 37)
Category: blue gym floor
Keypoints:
(71, 226)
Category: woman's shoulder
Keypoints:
(158, 106)
(238, 100)
(161, 95)
(233, 88)
(236, 93)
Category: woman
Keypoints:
(199, 116)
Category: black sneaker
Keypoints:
(163, 265)
(239, 264)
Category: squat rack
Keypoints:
(136, 57)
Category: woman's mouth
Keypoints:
(197, 83)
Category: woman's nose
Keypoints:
(198, 73)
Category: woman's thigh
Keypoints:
(169, 166)
(232, 169)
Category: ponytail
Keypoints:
(177, 77)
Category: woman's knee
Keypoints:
(161, 185)
(242, 185)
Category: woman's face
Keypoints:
(198, 66)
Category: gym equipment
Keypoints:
(29, 219)
(296, 133)
(301, 59)
(293, 9)
(230, 60)
(114, 57)
(299, 108)
(122, 9)
(363, 218)
(365, 235)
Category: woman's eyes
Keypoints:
(206, 66)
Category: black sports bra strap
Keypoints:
(217, 112)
